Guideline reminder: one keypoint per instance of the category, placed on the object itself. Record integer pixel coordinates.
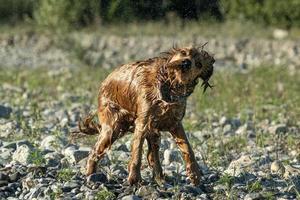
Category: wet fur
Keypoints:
(147, 97)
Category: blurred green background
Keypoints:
(80, 13)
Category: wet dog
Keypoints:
(146, 98)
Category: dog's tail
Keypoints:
(86, 126)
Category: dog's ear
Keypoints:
(174, 64)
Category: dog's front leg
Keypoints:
(153, 157)
(134, 166)
(192, 167)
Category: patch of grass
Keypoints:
(37, 158)
(230, 28)
(254, 187)
(265, 90)
(65, 174)
(55, 195)
(228, 181)
(268, 195)
(104, 194)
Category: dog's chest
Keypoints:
(165, 115)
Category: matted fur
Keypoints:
(147, 97)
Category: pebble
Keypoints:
(52, 142)
(5, 111)
(279, 128)
(76, 155)
(97, 178)
(131, 197)
(170, 156)
(277, 167)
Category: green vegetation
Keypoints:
(233, 93)
(52, 13)
(104, 194)
(36, 157)
(267, 91)
(270, 12)
(65, 174)
(254, 187)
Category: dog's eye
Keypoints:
(186, 65)
(183, 53)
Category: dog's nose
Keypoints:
(186, 64)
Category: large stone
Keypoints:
(280, 34)
(236, 167)
(279, 128)
(170, 156)
(7, 128)
(76, 155)
(97, 178)
(52, 142)
(22, 154)
(277, 167)
(131, 197)
(53, 159)
(5, 111)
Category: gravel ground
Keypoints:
(241, 157)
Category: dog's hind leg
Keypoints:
(153, 157)
(192, 167)
(105, 140)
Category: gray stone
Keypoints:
(53, 159)
(280, 34)
(52, 142)
(253, 196)
(236, 167)
(74, 156)
(147, 192)
(3, 183)
(22, 154)
(227, 129)
(34, 192)
(7, 128)
(68, 186)
(13, 177)
(131, 197)
(122, 147)
(277, 167)
(79, 196)
(97, 178)
(279, 128)
(170, 156)
(192, 189)
(223, 120)
(4, 177)
(5, 111)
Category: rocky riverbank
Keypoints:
(39, 50)
(253, 153)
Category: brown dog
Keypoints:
(147, 97)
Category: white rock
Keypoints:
(170, 156)
(52, 142)
(75, 155)
(239, 166)
(277, 167)
(22, 154)
(280, 34)
(279, 128)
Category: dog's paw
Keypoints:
(134, 178)
(195, 173)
